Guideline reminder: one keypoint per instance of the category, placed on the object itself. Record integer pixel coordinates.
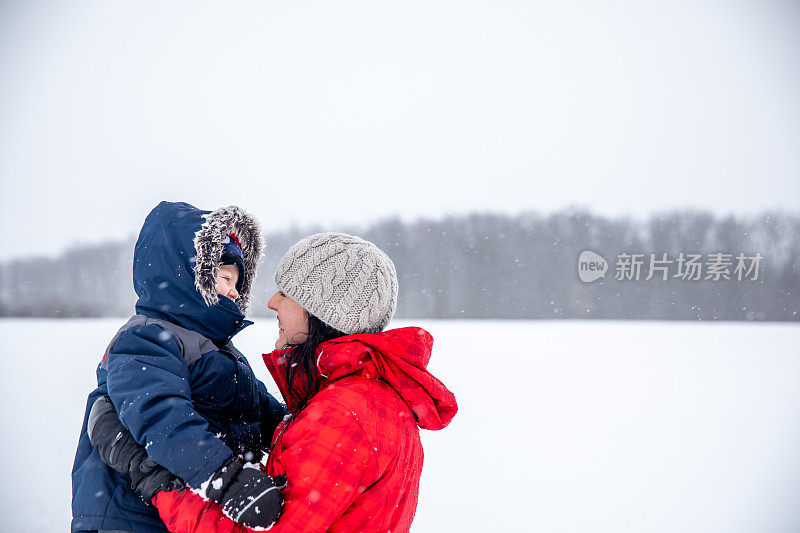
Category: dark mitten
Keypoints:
(113, 440)
(268, 426)
(120, 451)
(246, 440)
(148, 478)
(247, 495)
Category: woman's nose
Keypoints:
(233, 294)
(271, 303)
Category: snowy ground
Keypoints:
(563, 427)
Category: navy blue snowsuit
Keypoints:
(191, 417)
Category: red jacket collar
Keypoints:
(398, 356)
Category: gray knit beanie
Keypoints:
(343, 280)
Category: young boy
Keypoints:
(171, 372)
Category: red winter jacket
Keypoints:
(353, 456)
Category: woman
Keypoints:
(350, 449)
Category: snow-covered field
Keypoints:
(563, 426)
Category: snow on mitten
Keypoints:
(247, 495)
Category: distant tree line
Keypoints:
(491, 266)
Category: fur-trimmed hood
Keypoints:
(208, 245)
(175, 265)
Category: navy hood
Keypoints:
(175, 265)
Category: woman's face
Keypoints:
(292, 320)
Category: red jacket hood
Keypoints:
(398, 356)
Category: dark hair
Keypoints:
(301, 360)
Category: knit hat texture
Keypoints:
(232, 255)
(343, 280)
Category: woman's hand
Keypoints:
(247, 495)
(120, 451)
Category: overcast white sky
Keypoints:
(341, 112)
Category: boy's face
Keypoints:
(227, 277)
